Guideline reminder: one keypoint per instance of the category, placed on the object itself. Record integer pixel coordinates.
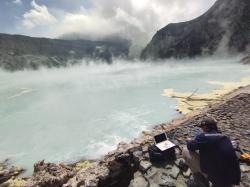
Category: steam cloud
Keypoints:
(135, 20)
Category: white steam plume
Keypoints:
(136, 20)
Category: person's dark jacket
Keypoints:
(217, 158)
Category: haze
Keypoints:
(136, 20)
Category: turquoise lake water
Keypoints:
(68, 114)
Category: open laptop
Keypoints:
(162, 142)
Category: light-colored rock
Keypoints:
(89, 176)
(124, 147)
(151, 173)
(144, 165)
(187, 173)
(137, 174)
(154, 185)
(7, 172)
(244, 168)
(104, 173)
(181, 181)
(91, 182)
(139, 182)
(178, 161)
(145, 149)
(82, 165)
(14, 182)
(50, 175)
(137, 156)
(167, 181)
(146, 156)
(169, 167)
(174, 172)
(245, 179)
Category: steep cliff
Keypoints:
(224, 27)
(18, 52)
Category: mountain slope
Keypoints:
(18, 52)
(226, 25)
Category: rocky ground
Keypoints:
(129, 165)
(246, 59)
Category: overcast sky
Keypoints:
(135, 19)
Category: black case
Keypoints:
(156, 155)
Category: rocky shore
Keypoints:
(129, 165)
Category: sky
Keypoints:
(94, 19)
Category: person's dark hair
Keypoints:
(210, 123)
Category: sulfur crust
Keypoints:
(189, 102)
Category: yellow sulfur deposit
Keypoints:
(16, 182)
(82, 165)
(188, 102)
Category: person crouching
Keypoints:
(215, 160)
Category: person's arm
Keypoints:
(199, 142)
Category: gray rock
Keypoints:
(50, 175)
(167, 181)
(174, 172)
(146, 156)
(181, 181)
(145, 149)
(139, 182)
(91, 183)
(123, 157)
(169, 167)
(135, 148)
(244, 168)
(104, 173)
(187, 173)
(154, 185)
(144, 165)
(137, 174)
(7, 171)
(151, 173)
(178, 161)
(137, 156)
(245, 179)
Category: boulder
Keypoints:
(244, 168)
(181, 181)
(7, 172)
(137, 156)
(187, 173)
(139, 182)
(50, 175)
(144, 165)
(167, 181)
(173, 172)
(14, 182)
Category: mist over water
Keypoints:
(67, 114)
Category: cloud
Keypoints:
(37, 16)
(136, 20)
(17, 2)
